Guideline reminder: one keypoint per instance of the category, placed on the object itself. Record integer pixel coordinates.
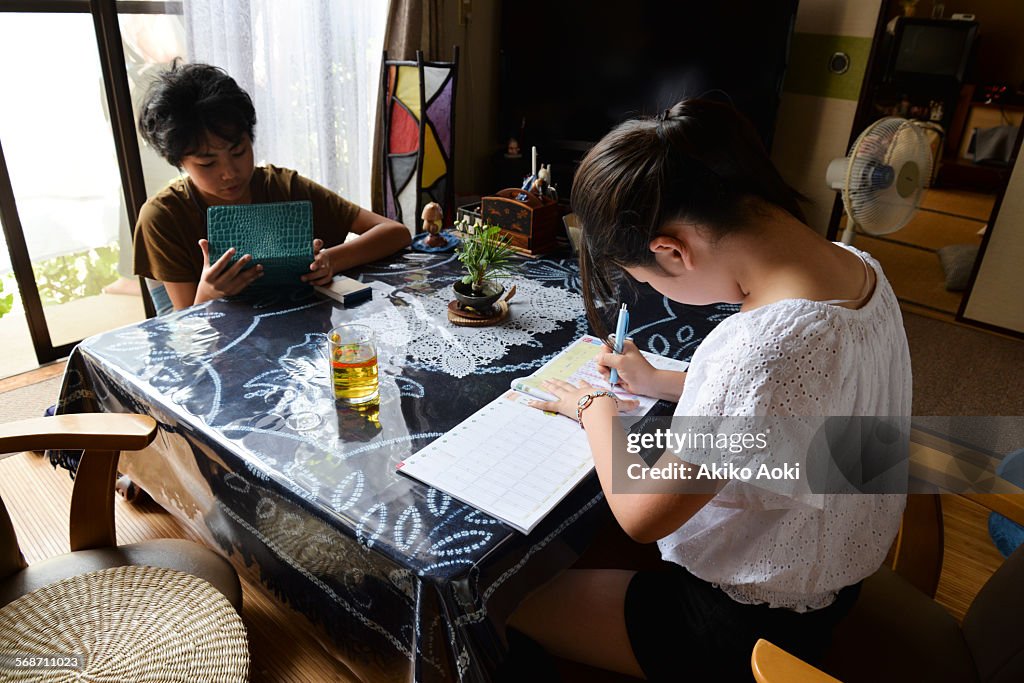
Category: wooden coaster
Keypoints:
(471, 313)
(470, 318)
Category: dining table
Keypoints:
(255, 455)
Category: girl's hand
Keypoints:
(569, 397)
(320, 269)
(636, 374)
(221, 279)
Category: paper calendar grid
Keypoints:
(513, 461)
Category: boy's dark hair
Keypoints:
(699, 161)
(188, 101)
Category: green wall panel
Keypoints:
(808, 73)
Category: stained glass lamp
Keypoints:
(419, 137)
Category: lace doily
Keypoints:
(413, 323)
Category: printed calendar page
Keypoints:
(515, 462)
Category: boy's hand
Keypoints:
(636, 374)
(569, 396)
(320, 269)
(220, 279)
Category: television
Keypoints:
(571, 70)
(932, 49)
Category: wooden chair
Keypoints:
(897, 632)
(94, 546)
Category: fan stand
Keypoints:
(849, 231)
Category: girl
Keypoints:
(690, 203)
(199, 120)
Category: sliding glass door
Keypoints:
(67, 153)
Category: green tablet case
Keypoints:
(279, 236)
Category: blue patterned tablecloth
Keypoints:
(254, 454)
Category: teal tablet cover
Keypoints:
(278, 235)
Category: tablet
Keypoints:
(278, 235)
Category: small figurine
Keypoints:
(432, 218)
(512, 150)
(541, 186)
(538, 182)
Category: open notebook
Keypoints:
(515, 462)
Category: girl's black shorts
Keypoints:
(683, 628)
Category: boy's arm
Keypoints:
(181, 294)
(218, 280)
(378, 237)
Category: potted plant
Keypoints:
(485, 254)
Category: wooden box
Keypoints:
(532, 223)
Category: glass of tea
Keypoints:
(353, 357)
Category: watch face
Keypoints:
(584, 401)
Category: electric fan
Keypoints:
(883, 177)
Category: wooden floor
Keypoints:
(970, 556)
(24, 379)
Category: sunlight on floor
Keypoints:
(67, 322)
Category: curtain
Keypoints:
(411, 25)
(312, 68)
(414, 25)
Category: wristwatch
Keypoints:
(587, 399)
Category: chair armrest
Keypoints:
(86, 431)
(102, 437)
(772, 664)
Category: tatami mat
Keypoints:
(969, 557)
(974, 205)
(945, 218)
(29, 401)
(916, 275)
(936, 230)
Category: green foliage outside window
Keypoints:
(74, 276)
(5, 301)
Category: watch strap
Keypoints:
(587, 399)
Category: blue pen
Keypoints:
(620, 336)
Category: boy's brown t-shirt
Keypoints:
(173, 221)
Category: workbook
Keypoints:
(513, 461)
